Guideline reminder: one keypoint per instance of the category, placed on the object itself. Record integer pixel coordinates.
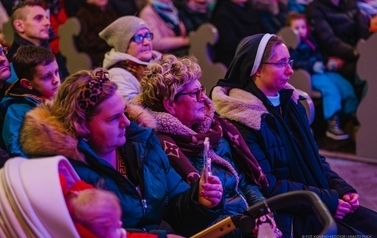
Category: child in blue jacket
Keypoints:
(38, 80)
(337, 93)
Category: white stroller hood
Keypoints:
(32, 202)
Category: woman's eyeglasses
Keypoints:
(139, 37)
(281, 64)
(3, 50)
(198, 93)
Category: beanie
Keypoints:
(119, 33)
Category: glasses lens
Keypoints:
(138, 38)
(200, 92)
(290, 63)
(148, 36)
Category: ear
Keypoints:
(257, 73)
(169, 106)
(19, 25)
(25, 83)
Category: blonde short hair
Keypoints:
(164, 79)
(73, 105)
(97, 210)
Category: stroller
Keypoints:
(32, 203)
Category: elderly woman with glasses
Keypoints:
(131, 41)
(255, 95)
(86, 123)
(183, 117)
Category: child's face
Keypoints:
(46, 80)
(300, 27)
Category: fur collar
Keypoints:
(43, 135)
(241, 106)
(168, 124)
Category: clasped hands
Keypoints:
(347, 204)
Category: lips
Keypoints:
(4, 68)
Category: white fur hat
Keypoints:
(119, 33)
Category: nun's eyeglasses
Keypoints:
(139, 37)
(281, 63)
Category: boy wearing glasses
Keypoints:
(337, 93)
(131, 42)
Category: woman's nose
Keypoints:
(126, 122)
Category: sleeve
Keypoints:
(184, 213)
(11, 129)
(161, 42)
(279, 186)
(326, 36)
(251, 191)
(335, 181)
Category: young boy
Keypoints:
(38, 81)
(337, 93)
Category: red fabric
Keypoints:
(140, 235)
(56, 20)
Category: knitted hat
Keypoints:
(119, 33)
(246, 61)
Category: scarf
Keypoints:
(179, 141)
(134, 68)
(168, 14)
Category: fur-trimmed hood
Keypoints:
(241, 106)
(43, 135)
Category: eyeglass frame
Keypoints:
(281, 64)
(3, 51)
(198, 93)
(149, 36)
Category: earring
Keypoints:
(30, 87)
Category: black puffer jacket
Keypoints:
(337, 29)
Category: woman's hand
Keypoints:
(210, 192)
(342, 209)
(352, 199)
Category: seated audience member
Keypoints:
(193, 13)
(255, 95)
(170, 35)
(131, 41)
(184, 116)
(338, 27)
(122, 7)
(86, 123)
(234, 19)
(4, 70)
(337, 93)
(94, 16)
(4, 75)
(3, 19)
(31, 25)
(38, 81)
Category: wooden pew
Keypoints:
(366, 137)
(200, 47)
(75, 60)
